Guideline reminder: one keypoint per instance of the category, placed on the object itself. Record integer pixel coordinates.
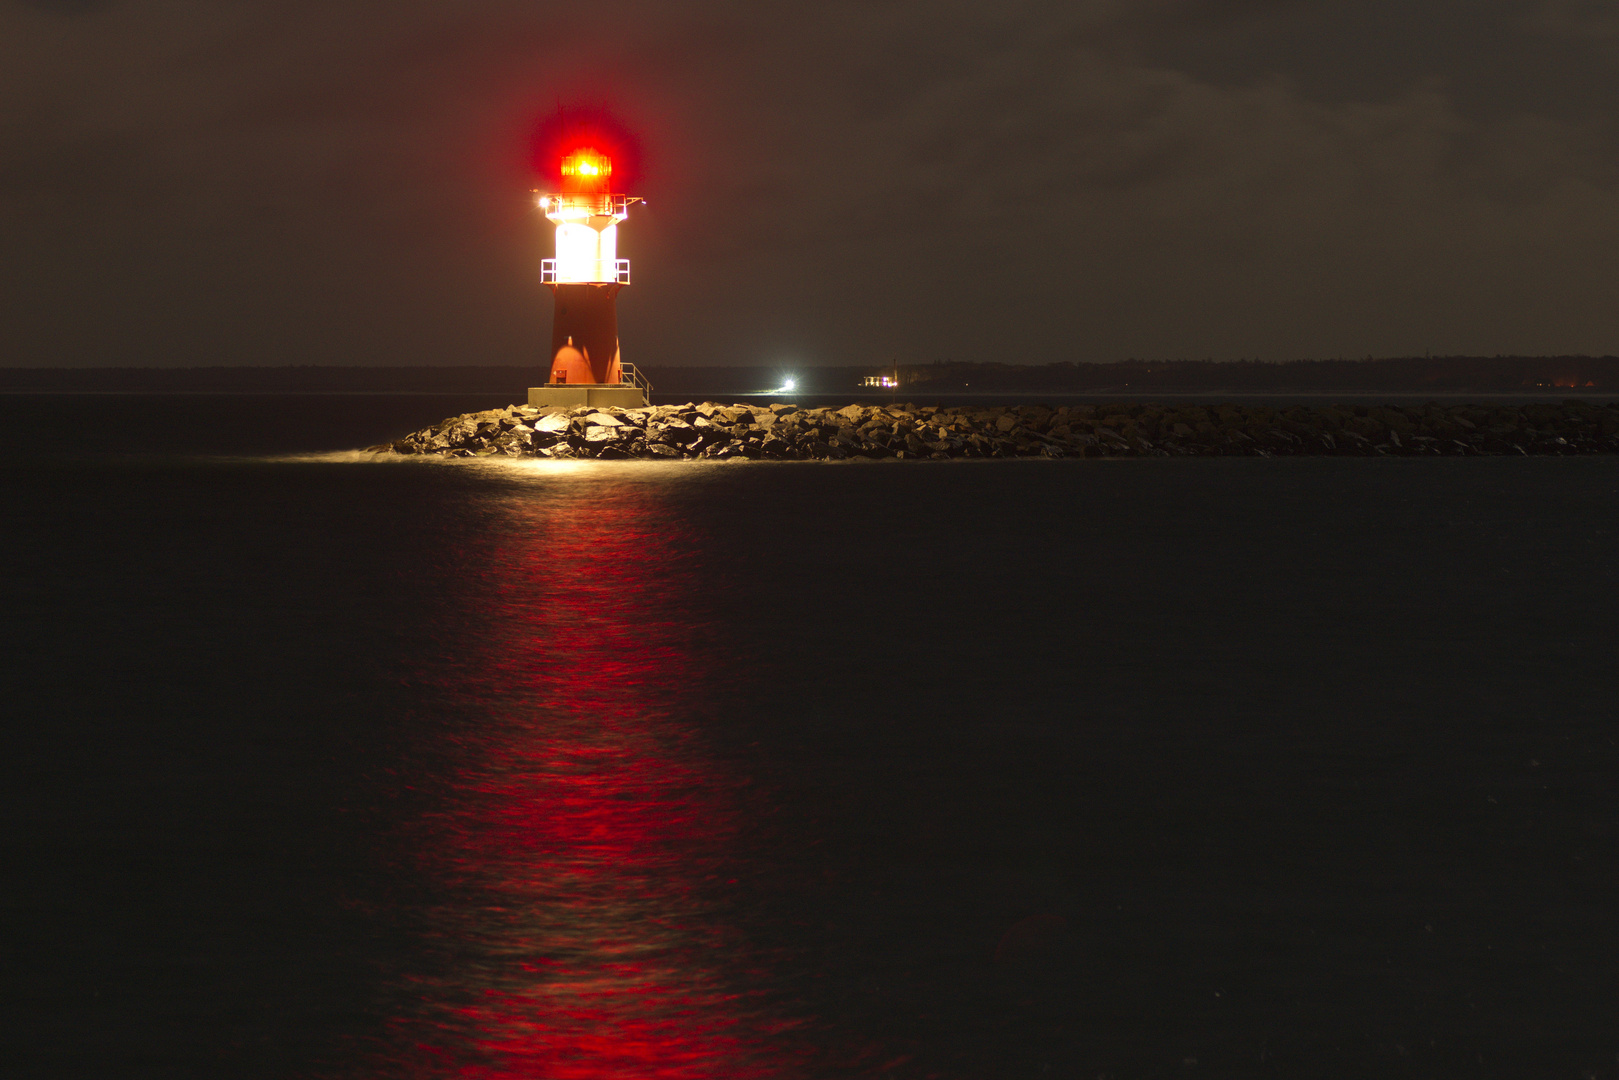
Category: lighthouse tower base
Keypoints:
(585, 366)
(574, 395)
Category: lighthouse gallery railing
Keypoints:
(619, 273)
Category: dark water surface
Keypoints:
(1135, 768)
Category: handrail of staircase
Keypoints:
(632, 377)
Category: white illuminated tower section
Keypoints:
(585, 278)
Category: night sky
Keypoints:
(320, 182)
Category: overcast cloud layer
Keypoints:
(318, 182)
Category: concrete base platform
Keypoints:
(572, 395)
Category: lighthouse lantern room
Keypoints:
(585, 278)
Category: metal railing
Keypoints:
(632, 377)
(582, 207)
(620, 273)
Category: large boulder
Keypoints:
(674, 430)
(556, 422)
(601, 435)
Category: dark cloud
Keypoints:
(315, 183)
(65, 7)
(1492, 55)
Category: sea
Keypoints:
(320, 765)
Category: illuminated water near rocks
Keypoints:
(580, 837)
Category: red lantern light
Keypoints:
(586, 169)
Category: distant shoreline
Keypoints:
(474, 400)
(249, 393)
(1450, 378)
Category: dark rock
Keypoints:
(679, 431)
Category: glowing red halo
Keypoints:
(573, 130)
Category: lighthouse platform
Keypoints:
(631, 392)
(601, 395)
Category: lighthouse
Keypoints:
(586, 367)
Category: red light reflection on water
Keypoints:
(578, 856)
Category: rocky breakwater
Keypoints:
(787, 432)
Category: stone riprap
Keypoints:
(787, 432)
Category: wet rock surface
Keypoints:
(787, 432)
